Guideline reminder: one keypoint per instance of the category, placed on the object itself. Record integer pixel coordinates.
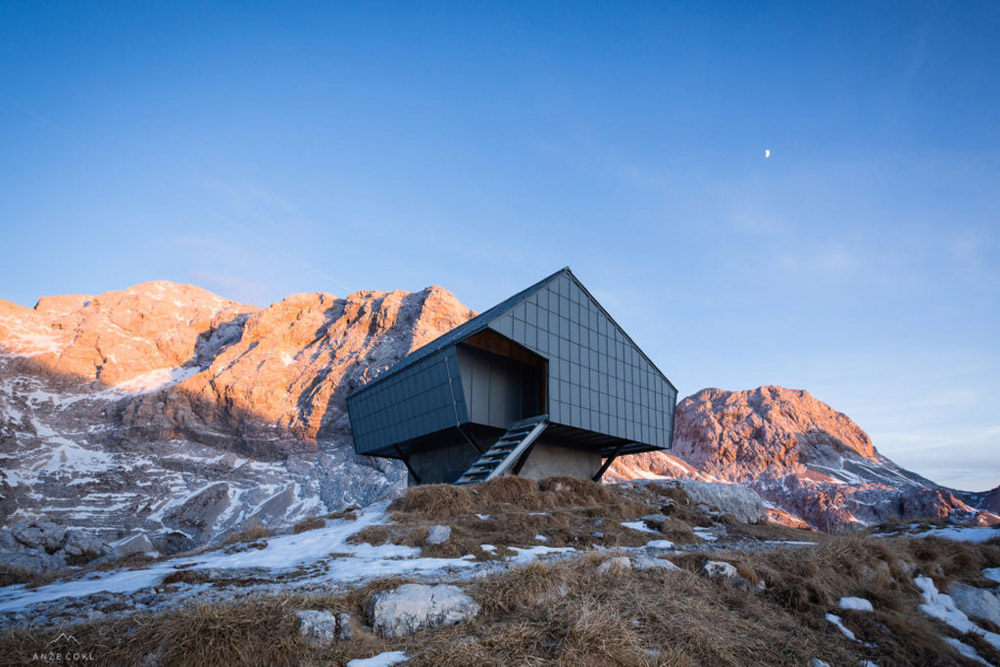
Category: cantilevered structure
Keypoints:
(544, 383)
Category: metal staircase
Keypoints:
(496, 460)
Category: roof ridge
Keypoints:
(466, 329)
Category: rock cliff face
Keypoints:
(799, 454)
(167, 412)
(166, 409)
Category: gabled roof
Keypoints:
(463, 331)
(484, 319)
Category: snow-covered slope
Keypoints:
(171, 411)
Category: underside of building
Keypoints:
(544, 383)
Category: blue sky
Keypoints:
(262, 149)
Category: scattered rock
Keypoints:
(136, 544)
(738, 501)
(81, 547)
(438, 534)
(976, 602)
(717, 569)
(32, 560)
(616, 565)
(414, 607)
(322, 627)
(727, 572)
(39, 535)
(344, 629)
(43, 546)
(647, 563)
(240, 547)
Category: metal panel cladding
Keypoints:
(425, 397)
(599, 380)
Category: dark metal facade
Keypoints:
(549, 349)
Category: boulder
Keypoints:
(438, 534)
(414, 607)
(323, 627)
(647, 563)
(136, 544)
(616, 565)
(32, 560)
(81, 547)
(976, 602)
(727, 572)
(39, 535)
(738, 501)
(42, 546)
(717, 569)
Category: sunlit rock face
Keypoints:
(801, 455)
(166, 409)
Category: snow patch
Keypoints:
(837, 621)
(941, 606)
(963, 533)
(640, 526)
(660, 544)
(704, 533)
(527, 555)
(857, 604)
(158, 379)
(965, 650)
(381, 660)
(992, 573)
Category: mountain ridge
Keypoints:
(800, 454)
(167, 410)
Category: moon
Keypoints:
(767, 153)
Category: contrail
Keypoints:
(257, 237)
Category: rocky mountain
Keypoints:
(801, 455)
(167, 410)
(165, 416)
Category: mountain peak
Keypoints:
(740, 435)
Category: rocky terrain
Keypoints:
(804, 457)
(518, 571)
(167, 411)
(162, 417)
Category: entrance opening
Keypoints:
(503, 381)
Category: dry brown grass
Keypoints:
(946, 561)
(565, 613)
(309, 523)
(15, 575)
(568, 511)
(251, 533)
(769, 531)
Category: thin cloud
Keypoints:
(257, 237)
